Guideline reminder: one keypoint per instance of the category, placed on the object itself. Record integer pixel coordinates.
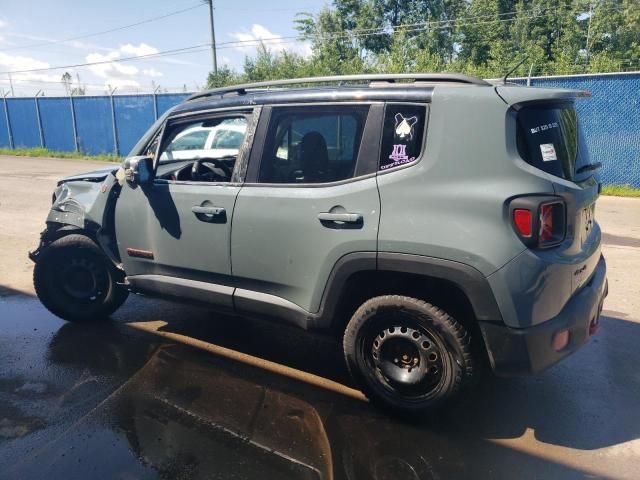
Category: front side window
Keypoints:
(201, 150)
(402, 134)
(213, 138)
(191, 139)
(312, 144)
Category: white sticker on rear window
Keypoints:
(548, 152)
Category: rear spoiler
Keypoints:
(514, 94)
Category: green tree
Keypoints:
(478, 37)
(224, 77)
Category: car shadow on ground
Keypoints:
(586, 402)
(185, 411)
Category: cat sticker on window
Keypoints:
(404, 126)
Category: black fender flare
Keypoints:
(57, 230)
(468, 279)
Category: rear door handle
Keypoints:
(340, 217)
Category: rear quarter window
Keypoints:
(402, 135)
(550, 139)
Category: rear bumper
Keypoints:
(520, 351)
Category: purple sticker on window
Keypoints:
(399, 156)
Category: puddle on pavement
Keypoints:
(128, 404)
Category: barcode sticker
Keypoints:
(548, 152)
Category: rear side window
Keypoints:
(402, 135)
(312, 144)
(550, 138)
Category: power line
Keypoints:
(411, 27)
(175, 51)
(123, 27)
(290, 39)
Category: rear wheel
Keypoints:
(76, 281)
(406, 354)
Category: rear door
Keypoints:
(310, 198)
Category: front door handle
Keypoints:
(340, 217)
(210, 214)
(207, 210)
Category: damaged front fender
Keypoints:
(84, 204)
(81, 203)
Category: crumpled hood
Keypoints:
(81, 200)
(94, 176)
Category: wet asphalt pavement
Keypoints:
(175, 391)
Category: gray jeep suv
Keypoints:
(433, 222)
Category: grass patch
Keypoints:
(45, 152)
(620, 191)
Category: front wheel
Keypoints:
(76, 281)
(406, 354)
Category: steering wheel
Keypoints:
(211, 164)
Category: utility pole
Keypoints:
(213, 38)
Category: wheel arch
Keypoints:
(58, 230)
(457, 287)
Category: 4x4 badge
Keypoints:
(404, 126)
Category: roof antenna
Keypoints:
(506, 75)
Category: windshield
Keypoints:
(550, 138)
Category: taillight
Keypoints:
(546, 223)
(551, 224)
(522, 221)
(539, 221)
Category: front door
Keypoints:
(173, 235)
(308, 203)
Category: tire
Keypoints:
(75, 281)
(406, 354)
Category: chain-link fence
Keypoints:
(103, 124)
(610, 119)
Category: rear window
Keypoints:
(550, 138)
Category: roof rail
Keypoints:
(376, 77)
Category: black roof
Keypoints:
(375, 87)
(308, 95)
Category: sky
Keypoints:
(29, 28)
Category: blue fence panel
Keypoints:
(168, 100)
(134, 115)
(610, 118)
(57, 123)
(611, 122)
(24, 122)
(4, 133)
(94, 124)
